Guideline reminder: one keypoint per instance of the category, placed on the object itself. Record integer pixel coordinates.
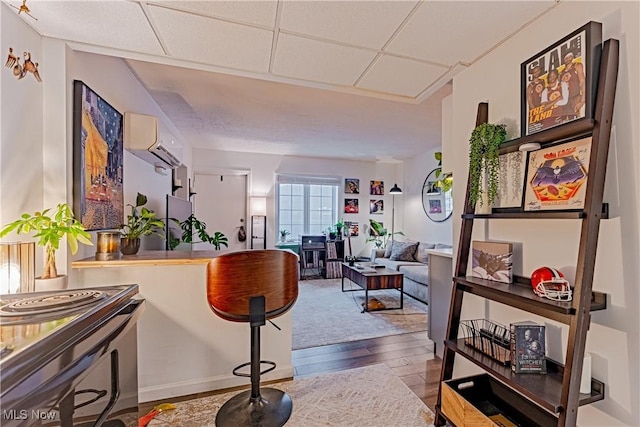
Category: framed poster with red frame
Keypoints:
(558, 84)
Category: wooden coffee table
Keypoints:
(369, 279)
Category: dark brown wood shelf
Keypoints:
(542, 389)
(519, 214)
(520, 295)
(555, 135)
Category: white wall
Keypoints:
(613, 338)
(264, 167)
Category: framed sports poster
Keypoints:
(558, 84)
(557, 176)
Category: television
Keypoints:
(177, 210)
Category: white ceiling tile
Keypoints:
(450, 31)
(218, 43)
(318, 61)
(401, 76)
(261, 12)
(116, 24)
(362, 23)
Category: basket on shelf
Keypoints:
(489, 338)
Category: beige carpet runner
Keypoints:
(323, 315)
(371, 396)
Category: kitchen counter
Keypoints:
(151, 258)
(183, 347)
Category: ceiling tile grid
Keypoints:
(218, 42)
(307, 59)
(262, 12)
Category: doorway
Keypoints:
(221, 203)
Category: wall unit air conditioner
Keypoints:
(145, 138)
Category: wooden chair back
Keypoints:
(233, 278)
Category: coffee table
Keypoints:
(369, 279)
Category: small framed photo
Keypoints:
(352, 227)
(351, 186)
(432, 188)
(351, 206)
(376, 206)
(557, 176)
(435, 206)
(376, 188)
(492, 261)
(558, 84)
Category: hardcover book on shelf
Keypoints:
(492, 261)
(528, 348)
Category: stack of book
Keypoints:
(528, 348)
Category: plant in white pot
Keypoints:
(140, 222)
(50, 228)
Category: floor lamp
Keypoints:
(395, 190)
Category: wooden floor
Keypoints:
(410, 356)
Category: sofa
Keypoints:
(411, 259)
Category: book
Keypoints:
(528, 348)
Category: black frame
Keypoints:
(110, 211)
(551, 58)
(441, 196)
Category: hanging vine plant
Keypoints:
(483, 158)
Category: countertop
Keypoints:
(448, 253)
(146, 258)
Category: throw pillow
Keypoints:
(387, 249)
(421, 254)
(403, 251)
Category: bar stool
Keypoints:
(253, 286)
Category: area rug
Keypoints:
(369, 396)
(323, 314)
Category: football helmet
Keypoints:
(550, 283)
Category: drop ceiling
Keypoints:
(357, 79)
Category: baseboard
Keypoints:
(184, 388)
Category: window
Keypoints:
(307, 205)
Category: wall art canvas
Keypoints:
(558, 84)
(97, 160)
(492, 261)
(376, 188)
(431, 187)
(351, 206)
(435, 206)
(352, 227)
(376, 206)
(351, 186)
(557, 176)
(511, 173)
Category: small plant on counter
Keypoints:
(284, 233)
(49, 229)
(192, 223)
(141, 221)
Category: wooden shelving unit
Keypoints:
(557, 392)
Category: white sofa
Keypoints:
(415, 271)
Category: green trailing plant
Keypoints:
(49, 229)
(192, 224)
(443, 181)
(484, 159)
(141, 221)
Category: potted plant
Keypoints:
(217, 240)
(283, 234)
(140, 222)
(484, 162)
(339, 227)
(49, 229)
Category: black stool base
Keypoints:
(273, 409)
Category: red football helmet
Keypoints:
(550, 283)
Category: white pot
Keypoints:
(54, 284)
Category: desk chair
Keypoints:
(253, 286)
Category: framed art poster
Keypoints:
(98, 199)
(351, 186)
(376, 188)
(376, 206)
(558, 84)
(557, 176)
(351, 206)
